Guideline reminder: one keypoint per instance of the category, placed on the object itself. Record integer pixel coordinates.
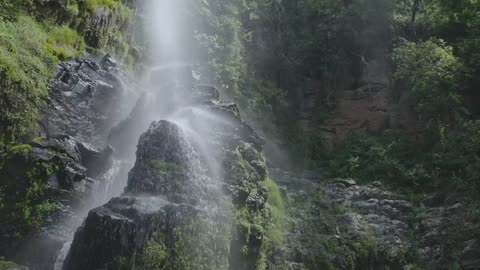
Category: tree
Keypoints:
(429, 71)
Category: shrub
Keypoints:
(23, 192)
(28, 57)
(278, 220)
(429, 71)
(384, 157)
(92, 5)
(457, 160)
(64, 43)
(155, 256)
(25, 68)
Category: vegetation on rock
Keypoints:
(25, 202)
(32, 46)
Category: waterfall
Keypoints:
(164, 93)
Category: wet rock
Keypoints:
(351, 226)
(205, 94)
(347, 182)
(108, 63)
(122, 227)
(167, 165)
(54, 170)
(470, 258)
(84, 100)
(176, 177)
(167, 188)
(440, 226)
(97, 162)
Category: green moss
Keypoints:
(155, 256)
(22, 149)
(7, 265)
(25, 202)
(119, 263)
(30, 50)
(92, 5)
(209, 249)
(278, 218)
(37, 139)
(25, 69)
(165, 166)
(64, 43)
(365, 248)
(72, 8)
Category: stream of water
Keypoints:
(167, 32)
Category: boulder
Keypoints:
(122, 227)
(167, 165)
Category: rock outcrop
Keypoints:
(85, 100)
(104, 25)
(54, 179)
(339, 224)
(201, 176)
(164, 188)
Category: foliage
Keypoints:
(92, 5)
(25, 68)
(119, 263)
(278, 222)
(154, 256)
(430, 71)
(7, 265)
(64, 43)
(319, 228)
(25, 201)
(387, 157)
(28, 56)
(451, 163)
(31, 44)
(457, 161)
(259, 217)
(210, 250)
(167, 166)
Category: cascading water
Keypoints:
(164, 94)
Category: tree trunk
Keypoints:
(415, 8)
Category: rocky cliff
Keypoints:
(52, 180)
(213, 189)
(339, 224)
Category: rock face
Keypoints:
(85, 100)
(52, 181)
(102, 25)
(342, 225)
(447, 234)
(164, 188)
(59, 170)
(200, 176)
(339, 224)
(167, 165)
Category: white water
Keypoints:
(167, 32)
(62, 256)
